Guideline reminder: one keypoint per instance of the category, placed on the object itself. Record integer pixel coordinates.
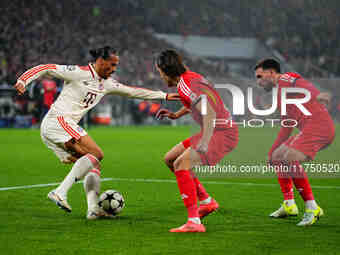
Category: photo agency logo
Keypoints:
(240, 102)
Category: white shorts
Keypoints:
(56, 131)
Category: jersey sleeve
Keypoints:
(63, 72)
(135, 92)
(293, 80)
(302, 83)
(187, 94)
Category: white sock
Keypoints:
(289, 202)
(78, 171)
(205, 201)
(92, 189)
(311, 205)
(195, 220)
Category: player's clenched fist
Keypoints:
(20, 88)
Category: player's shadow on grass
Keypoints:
(116, 218)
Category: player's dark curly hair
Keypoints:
(268, 63)
(170, 62)
(103, 52)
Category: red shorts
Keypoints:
(221, 143)
(312, 138)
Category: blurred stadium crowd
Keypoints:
(38, 31)
(305, 32)
(46, 31)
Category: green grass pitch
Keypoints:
(31, 224)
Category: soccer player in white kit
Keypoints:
(84, 86)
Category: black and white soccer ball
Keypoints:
(111, 201)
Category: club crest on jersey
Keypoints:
(101, 86)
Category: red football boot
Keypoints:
(189, 227)
(206, 209)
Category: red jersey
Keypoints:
(319, 112)
(191, 86)
(50, 89)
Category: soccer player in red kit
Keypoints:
(216, 139)
(317, 131)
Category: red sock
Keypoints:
(300, 180)
(285, 181)
(187, 188)
(201, 192)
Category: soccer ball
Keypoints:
(111, 201)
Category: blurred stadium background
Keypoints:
(220, 39)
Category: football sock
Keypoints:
(187, 188)
(206, 201)
(92, 188)
(201, 192)
(78, 171)
(195, 220)
(284, 179)
(311, 205)
(301, 182)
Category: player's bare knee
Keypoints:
(277, 156)
(294, 155)
(177, 165)
(168, 160)
(99, 154)
(69, 145)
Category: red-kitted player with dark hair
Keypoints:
(317, 131)
(205, 148)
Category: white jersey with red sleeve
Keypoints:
(83, 89)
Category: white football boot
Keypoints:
(61, 202)
(98, 213)
(310, 217)
(285, 211)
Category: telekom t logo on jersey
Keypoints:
(239, 100)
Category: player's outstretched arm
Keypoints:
(31, 75)
(173, 97)
(20, 87)
(59, 71)
(165, 113)
(141, 93)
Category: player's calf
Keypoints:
(78, 171)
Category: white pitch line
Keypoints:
(161, 181)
